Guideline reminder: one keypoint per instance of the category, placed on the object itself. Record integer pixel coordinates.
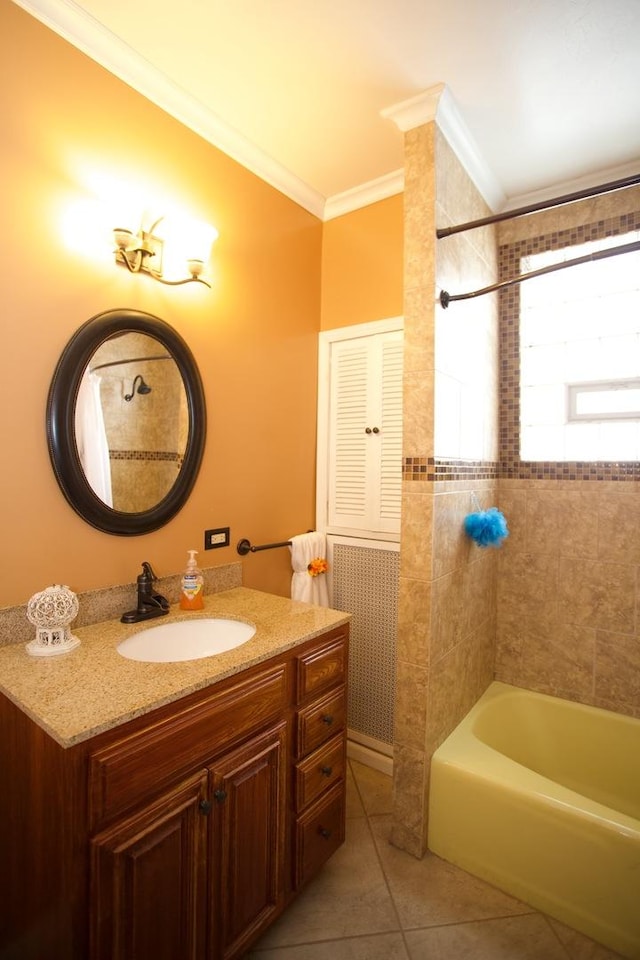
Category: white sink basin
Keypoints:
(186, 640)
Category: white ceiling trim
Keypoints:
(574, 186)
(437, 103)
(466, 149)
(380, 189)
(416, 111)
(85, 33)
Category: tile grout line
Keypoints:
(379, 859)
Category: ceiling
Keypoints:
(548, 91)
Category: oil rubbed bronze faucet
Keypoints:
(150, 604)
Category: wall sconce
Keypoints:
(142, 252)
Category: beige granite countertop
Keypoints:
(93, 688)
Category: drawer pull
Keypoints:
(324, 832)
(220, 796)
(327, 718)
(326, 771)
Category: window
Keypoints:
(611, 400)
(580, 356)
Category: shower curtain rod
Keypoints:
(542, 205)
(116, 363)
(446, 298)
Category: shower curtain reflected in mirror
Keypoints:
(91, 437)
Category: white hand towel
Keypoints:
(305, 548)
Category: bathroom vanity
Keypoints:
(176, 816)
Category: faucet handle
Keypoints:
(149, 604)
(147, 575)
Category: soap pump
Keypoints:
(192, 585)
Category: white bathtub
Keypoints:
(541, 797)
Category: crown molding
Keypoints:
(371, 192)
(437, 103)
(417, 110)
(84, 32)
(466, 149)
(607, 175)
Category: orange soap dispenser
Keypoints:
(191, 596)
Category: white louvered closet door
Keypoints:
(365, 436)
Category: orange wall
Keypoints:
(69, 130)
(67, 126)
(362, 264)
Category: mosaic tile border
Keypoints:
(436, 468)
(568, 470)
(145, 455)
(509, 256)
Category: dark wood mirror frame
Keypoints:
(61, 406)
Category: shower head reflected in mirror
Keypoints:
(142, 388)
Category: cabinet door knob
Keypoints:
(205, 806)
(327, 718)
(324, 832)
(219, 796)
(368, 430)
(326, 771)
(376, 430)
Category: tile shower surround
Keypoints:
(510, 466)
(509, 255)
(560, 601)
(568, 577)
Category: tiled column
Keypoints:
(411, 763)
(446, 608)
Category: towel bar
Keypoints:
(244, 546)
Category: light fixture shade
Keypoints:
(201, 238)
(123, 238)
(195, 267)
(166, 247)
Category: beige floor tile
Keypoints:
(374, 788)
(354, 807)
(369, 891)
(349, 897)
(513, 938)
(431, 891)
(386, 946)
(580, 947)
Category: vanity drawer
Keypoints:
(319, 833)
(320, 721)
(322, 768)
(322, 668)
(135, 767)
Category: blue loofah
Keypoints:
(488, 528)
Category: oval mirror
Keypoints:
(126, 422)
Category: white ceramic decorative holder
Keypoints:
(51, 611)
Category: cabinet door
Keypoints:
(364, 460)
(148, 880)
(247, 842)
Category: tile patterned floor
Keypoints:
(373, 902)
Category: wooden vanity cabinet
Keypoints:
(197, 871)
(320, 752)
(183, 833)
(148, 879)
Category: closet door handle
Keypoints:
(372, 430)
(368, 430)
(376, 430)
